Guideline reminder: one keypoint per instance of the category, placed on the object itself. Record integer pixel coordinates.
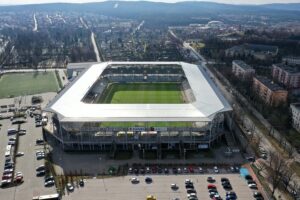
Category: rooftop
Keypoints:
(269, 83)
(292, 69)
(256, 48)
(70, 107)
(296, 105)
(242, 64)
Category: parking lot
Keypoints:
(120, 188)
(26, 164)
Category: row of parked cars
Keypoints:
(8, 176)
(213, 192)
(176, 170)
(253, 185)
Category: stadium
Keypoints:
(139, 106)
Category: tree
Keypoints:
(278, 170)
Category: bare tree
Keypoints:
(287, 179)
(261, 166)
(290, 150)
(278, 170)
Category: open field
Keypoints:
(139, 93)
(17, 84)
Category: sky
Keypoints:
(9, 2)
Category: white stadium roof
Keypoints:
(69, 106)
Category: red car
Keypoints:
(191, 169)
(154, 169)
(6, 176)
(19, 179)
(211, 186)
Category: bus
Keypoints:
(47, 197)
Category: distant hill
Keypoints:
(280, 6)
(157, 11)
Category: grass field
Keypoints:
(144, 124)
(139, 93)
(17, 84)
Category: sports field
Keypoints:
(146, 124)
(140, 93)
(18, 84)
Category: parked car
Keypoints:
(248, 177)
(19, 179)
(185, 170)
(211, 186)
(211, 179)
(179, 170)
(200, 169)
(148, 179)
(81, 182)
(41, 173)
(252, 186)
(135, 180)
(188, 181)
(11, 142)
(12, 139)
(6, 176)
(18, 174)
(189, 191)
(22, 132)
(166, 170)
(216, 170)
(148, 171)
(130, 170)
(174, 186)
(70, 187)
(41, 167)
(8, 171)
(189, 186)
(5, 183)
(39, 141)
(20, 154)
(49, 183)
(257, 194)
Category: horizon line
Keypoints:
(158, 1)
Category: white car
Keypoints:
(200, 169)
(216, 170)
(252, 186)
(188, 181)
(20, 154)
(11, 143)
(18, 174)
(174, 186)
(7, 171)
(194, 195)
(70, 187)
(135, 180)
(179, 170)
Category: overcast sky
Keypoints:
(169, 1)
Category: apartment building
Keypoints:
(288, 75)
(242, 70)
(271, 93)
(295, 108)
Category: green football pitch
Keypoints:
(142, 93)
(18, 84)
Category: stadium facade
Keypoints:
(82, 120)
